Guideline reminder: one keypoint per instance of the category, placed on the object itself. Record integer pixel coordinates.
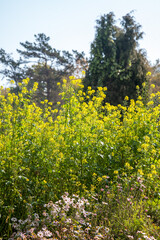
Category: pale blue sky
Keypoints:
(71, 23)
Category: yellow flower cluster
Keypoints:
(83, 142)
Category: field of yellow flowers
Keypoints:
(86, 170)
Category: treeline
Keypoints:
(115, 62)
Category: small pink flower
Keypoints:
(106, 186)
(40, 234)
(132, 189)
(102, 189)
(130, 237)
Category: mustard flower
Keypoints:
(148, 74)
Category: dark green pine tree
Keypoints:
(115, 60)
(49, 68)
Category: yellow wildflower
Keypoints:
(99, 179)
(126, 98)
(12, 81)
(64, 80)
(94, 175)
(148, 74)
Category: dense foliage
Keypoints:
(116, 62)
(84, 147)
